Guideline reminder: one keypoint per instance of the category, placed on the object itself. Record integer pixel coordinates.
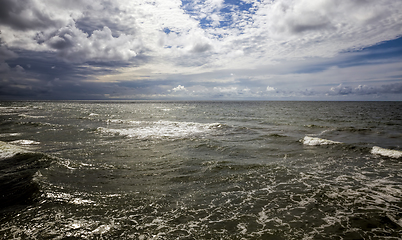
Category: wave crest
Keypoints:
(386, 152)
(314, 141)
(162, 129)
(19, 168)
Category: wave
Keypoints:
(30, 116)
(10, 134)
(25, 142)
(277, 135)
(11, 109)
(37, 124)
(314, 126)
(9, 150)
(160, 129)
(19, 169)
(386, 152)
(314, 141)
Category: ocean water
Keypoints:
(200, 170)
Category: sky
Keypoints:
(201, 50)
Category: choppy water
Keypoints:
(201, 170)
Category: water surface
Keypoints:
(201, 170)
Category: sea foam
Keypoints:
(161, 129)
(8, 150)
(386, 152)
(25, 142)
(314, 141)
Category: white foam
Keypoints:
(8, 150)
(120, 121)
(102, 229)
(68, 198)
(314, 141)
(25, 142)
(10, 134)
(30, 116)
(386, 152)
(162, 129)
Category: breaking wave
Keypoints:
(386, 152)
(19, 169)
(314, 141)
(160, 129)
(25, 142)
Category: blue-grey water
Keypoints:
(200, 170)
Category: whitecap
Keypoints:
(8, 150)
(25, 142)
(120, 121)
(10, 134)
(162, 129)
(102, 229)
(30, 116)
(386, 152)
(313, 141)
(66, 197)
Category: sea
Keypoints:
(200, 170)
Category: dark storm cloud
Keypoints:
(6, 53)
(45, 66)
(44, 76)
(24, 88)
(23, 15)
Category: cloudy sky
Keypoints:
(201, 49)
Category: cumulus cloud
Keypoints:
(26, 15)
(270, 89)
(341, 90)
(179, 88)
(75, 45)
(203, 39)
(230, 89)
(45, 30)
(263, 30)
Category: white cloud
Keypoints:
(179, 88)
(283, 29)
(74, 45)
(230, 89)
(270, 89)
(201, 42)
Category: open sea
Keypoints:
(200, 170)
